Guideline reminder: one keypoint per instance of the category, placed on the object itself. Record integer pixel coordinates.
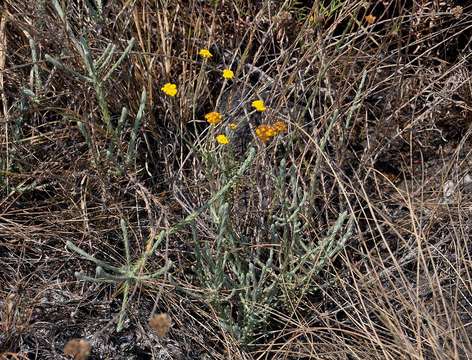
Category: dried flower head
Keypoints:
(161, 324)
(264, 132)
(280, 126)
(169, 89)
(258, 105)
(316, 20)
(370, 19)
(228, 74)
(283, 18)
(457, 11)
(213, 117)
(222, 139)
(205, 53)
(78, 349)
(233, 126)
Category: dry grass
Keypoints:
(379, 114)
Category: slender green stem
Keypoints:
(85, 255)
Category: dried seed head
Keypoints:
(160, 323)
(280, 126)
(283, 17)
(457, 11)
(78, 349)
(316, 20)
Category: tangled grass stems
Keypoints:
(346, 238)
(130, 272)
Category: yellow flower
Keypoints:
(264, 132)
(259, 105)
(222, 139)
(228, 74)
(370, 19)
(280, 127)
(213, 117)
(233, 126)
(169, 89)
(205, 53)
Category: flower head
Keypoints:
(161, 324)
(457, 11)
(79, 349)
(169, 89)
(222, 139)
(280, 126)
(264, 132)
(370, 19)
(259, 105)
(233, 126)
(228, 74)
(205, 53)
(316, 20)
(213, 117)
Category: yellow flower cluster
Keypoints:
(259, 105)
(265, 132)
(205, 53)
(169, 89)
(370, 19)
(228, 74)
(222, 139)
(213, 117)
(280, 126)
